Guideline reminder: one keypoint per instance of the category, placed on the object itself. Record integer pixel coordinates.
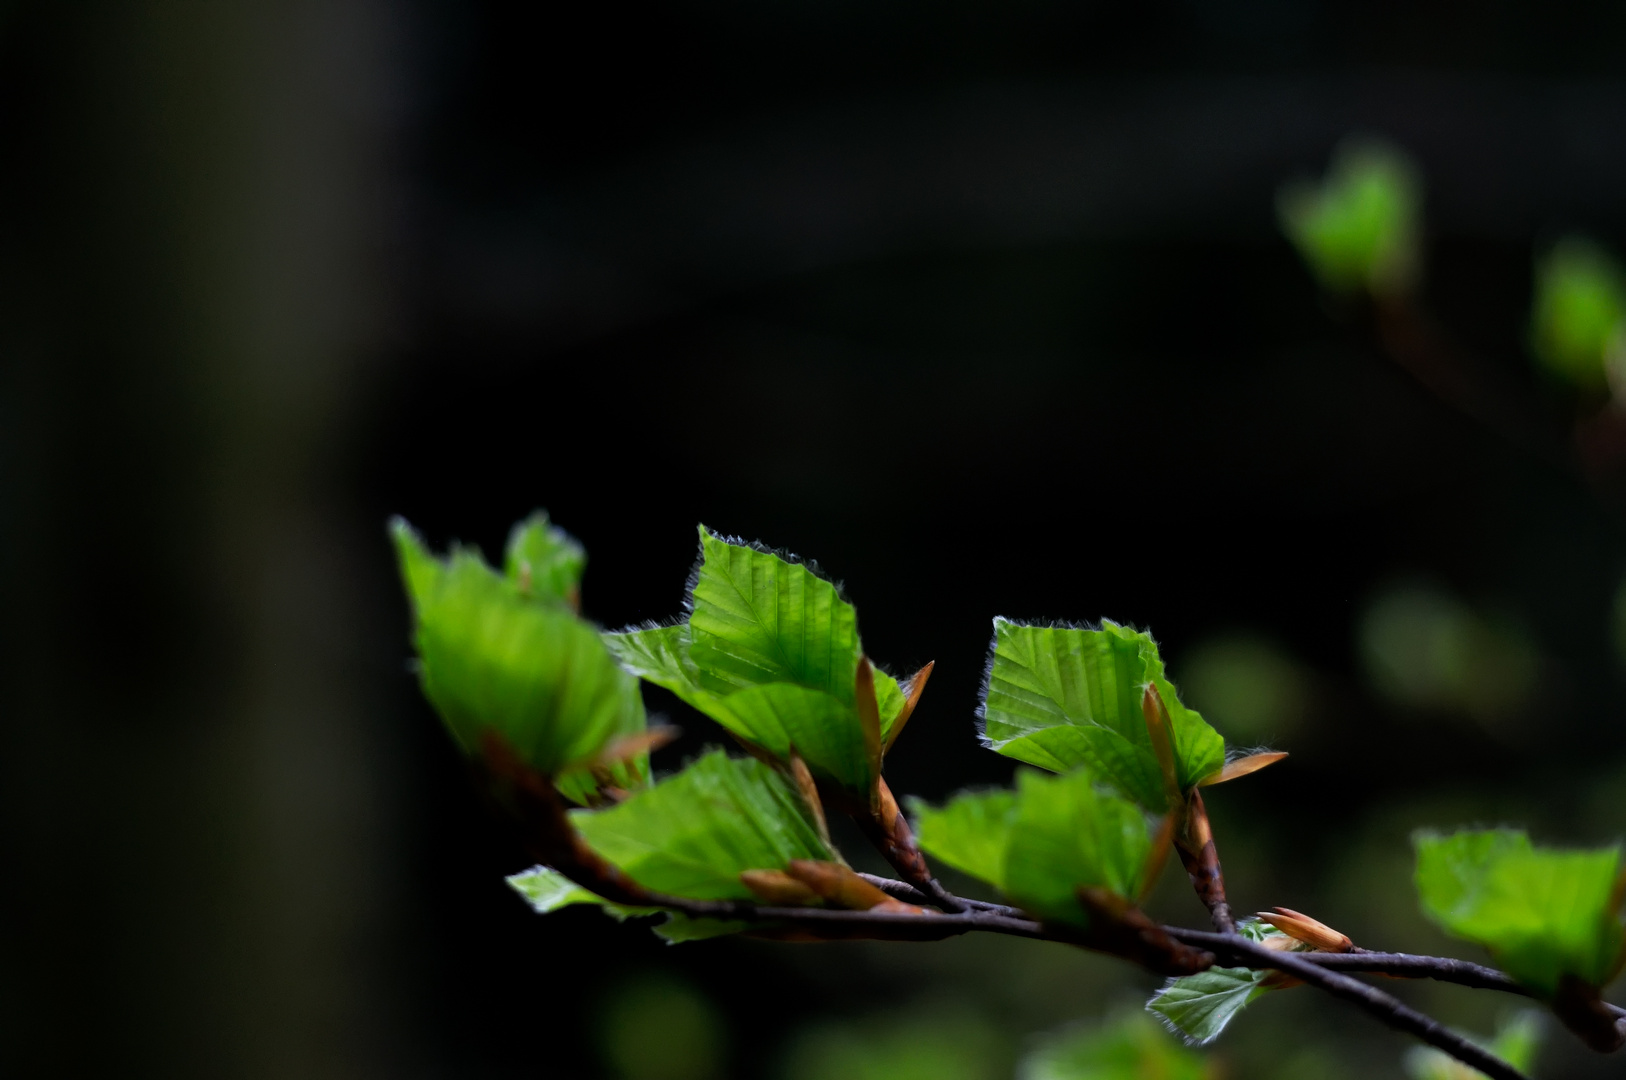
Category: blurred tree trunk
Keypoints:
(194, 864)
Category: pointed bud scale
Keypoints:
(1157, 729)
(911, 697)
(1241, 767)
(1310, 931)
(837, 884)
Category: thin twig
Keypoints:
(1385, 1007)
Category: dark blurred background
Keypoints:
(982, 305)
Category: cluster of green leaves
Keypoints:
(1359, 228)
(770, 650)
(1542, 913)
(1578, 320)
(506, 655)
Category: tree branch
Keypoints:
(1385, 1007)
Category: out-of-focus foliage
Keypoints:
(1056, 835)
(1200, 1006)
(1517, 1040)
(544, 561)
(657, 1028)
(1578, 318)
(1246, 685)
(771, 652)
(950, 1045)
(1542, 913)
(1064, 698)
(1359, 227)
(1425, 649)
(692, 835)
(1133, 1047)
(504, 655)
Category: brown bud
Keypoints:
(1310, 931)
(839, 885)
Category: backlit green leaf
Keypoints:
(1543, 913)
(972, 833)
(1358, 228)
(544, 561)
(1064, 698)
(1579, 313)
(693, 833)
(1200, 1006)
(771, 653)
(492, 660)
(1131, 1048)
(1040, 844)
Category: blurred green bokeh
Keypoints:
(1358, 228)
(1246, 686)
(1579, 312)
(924, 1045)
(654, 1027)
(1425, 649)
(1132, 1047)
(1517, 1039)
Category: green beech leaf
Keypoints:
(1543, 913)
(1200, 1006)
(757, 618)
(1132, 1048)
(690, 835)
(1064, 698)
(1517, 1040)
(972, 833)
(1358, 228)
(693, 833)
(1579, 314)
(544, 561)
(492, 660)
(1057, 834)
(770, 652)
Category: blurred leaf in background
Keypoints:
(1246, 685)
(1358, 228)
(1133, 1047)
(951, 1044)
(654, 1027)
(1579, 314)
(1425, 649)
(1516, 1042)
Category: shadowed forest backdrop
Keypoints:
(983, 306)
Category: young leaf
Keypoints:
(1064, 698)
(972, 833)
(1579, 313)
(693, 834)
(1358, 229)
(1543, 913)
(545, 562)
(771, 652)
(757, 618)
(1132, 1048)
(1199, 1007)
(492, 660)
(1040, 844)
